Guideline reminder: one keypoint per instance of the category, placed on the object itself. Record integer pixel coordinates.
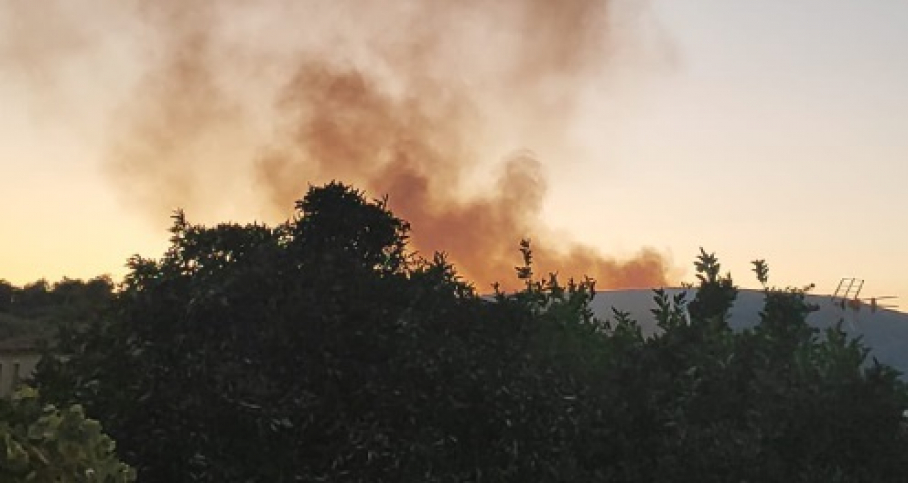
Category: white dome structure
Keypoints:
(883, 331)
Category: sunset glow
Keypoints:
(753, 129)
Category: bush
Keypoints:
(41, 443)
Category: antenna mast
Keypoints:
(847, 294)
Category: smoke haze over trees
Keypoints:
(457, 110)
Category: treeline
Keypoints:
(40, 442)
(41, 296)
(38, 309)
(322, 349)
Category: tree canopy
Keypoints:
(41, 443)
(323, 349)
(36, 311)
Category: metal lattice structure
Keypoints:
(848, 295)
(849, 288)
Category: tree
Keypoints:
(6, 296)
(776, 403)
(33, 314)
(317, 349)
(716, 293)
(33, 296)
(322, 349)
(42, 443)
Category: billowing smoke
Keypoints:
(455, 110)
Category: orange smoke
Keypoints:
(409, 98)
(415, 149)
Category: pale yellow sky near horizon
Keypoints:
(771, 130)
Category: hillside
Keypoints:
(885, 332)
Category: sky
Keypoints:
(772, 130)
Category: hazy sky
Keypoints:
(756, 129)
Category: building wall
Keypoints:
(15, 366)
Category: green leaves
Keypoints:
(43, 443)
(762, 271)
(716, 293)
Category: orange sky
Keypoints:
(758, 131)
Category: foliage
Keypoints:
(41, 443)
(37, 310)
(322, 350)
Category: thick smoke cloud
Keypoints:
(455, 110)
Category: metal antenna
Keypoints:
(847, 295)
(849, 288)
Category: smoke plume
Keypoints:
(36, 38)
(452, 109)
